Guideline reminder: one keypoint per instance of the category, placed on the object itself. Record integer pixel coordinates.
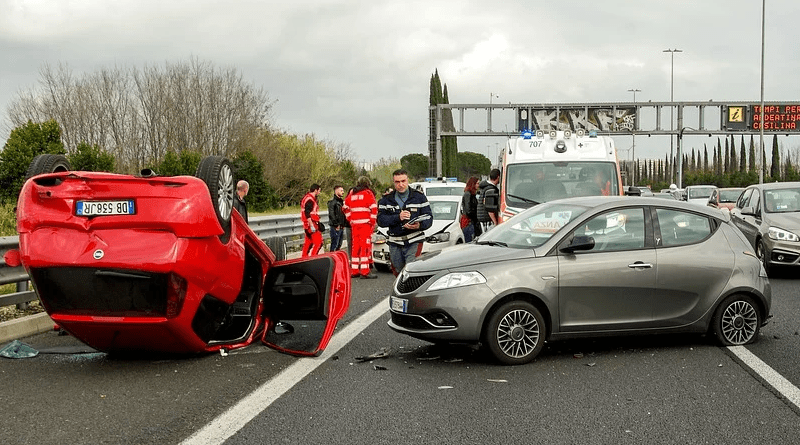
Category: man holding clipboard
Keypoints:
(406, 213)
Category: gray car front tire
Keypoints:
(515, 333)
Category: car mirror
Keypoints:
(579, 242)
(748, 211)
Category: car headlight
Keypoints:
(782, 235)
(457, 279)
(439, 238)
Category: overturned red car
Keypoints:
(147, 263)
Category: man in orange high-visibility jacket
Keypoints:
(361, 210)
(309, 214)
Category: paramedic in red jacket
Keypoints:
(309, 214)
(361, 210)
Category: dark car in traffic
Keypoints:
(769, 216)
(586, 267)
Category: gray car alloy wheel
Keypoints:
(515, 333)
(737, 321)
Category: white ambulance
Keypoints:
(542, 166)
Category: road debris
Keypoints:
(18, 349)
(383, 353)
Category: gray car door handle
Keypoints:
(639, 264)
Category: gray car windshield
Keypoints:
(782, 200)
(533, 227)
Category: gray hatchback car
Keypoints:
(587, 267)
(769, 216)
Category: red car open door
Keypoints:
(304, 298)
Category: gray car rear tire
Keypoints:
(737, 321)
(515, 333)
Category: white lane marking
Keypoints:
(773, 379)
(236, 417)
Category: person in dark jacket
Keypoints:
(469, 207)
(242, 187)
(489, 200)
(406, 213)
(336, 218)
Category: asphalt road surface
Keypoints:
(666, 389)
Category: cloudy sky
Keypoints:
(357, 71)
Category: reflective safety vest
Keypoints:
(314, 216)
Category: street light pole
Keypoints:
(633, 136)
(671, 99)
(492, 96)
(761, 121)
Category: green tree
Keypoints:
(91, 158)
(726, 159)
(25, 143)
(775, 169)
(261, 196)
(182, 164)
(439, 95)
(789, 172)
(416, 164)
(752, 159)
(742, 157)
(472, 164)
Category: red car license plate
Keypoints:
(97, 208)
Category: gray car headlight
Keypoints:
(782, 235)
(457, 279)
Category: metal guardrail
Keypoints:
(289, 227)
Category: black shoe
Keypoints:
(283, 328)
(369, 276)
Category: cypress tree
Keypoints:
(734, 164)
(451, 153)
(775, 169)
(742, 157)
(726, 161)
(752, 161)
(438, 95)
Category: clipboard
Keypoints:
(423, 217)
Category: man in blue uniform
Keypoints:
(406, 213)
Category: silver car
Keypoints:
(585, 267)
(769, 216)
